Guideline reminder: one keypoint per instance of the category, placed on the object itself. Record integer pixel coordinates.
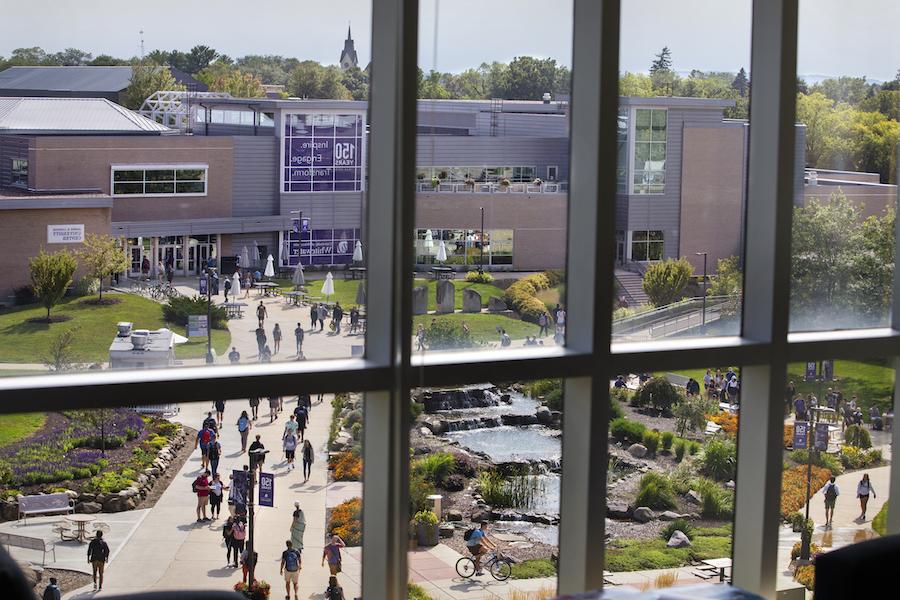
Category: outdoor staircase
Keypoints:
(631, 285)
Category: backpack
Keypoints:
(334, 593)
(227, 531)
(194, 485)
(213, 451)
(205, 436)
(830, 493)
(238, 531)
(291, 560)
(242, 424)
(468, 534)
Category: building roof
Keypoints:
(73, 116)
(84, 79)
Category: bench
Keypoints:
(29, 543)
(45, 504)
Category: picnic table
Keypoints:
(823, 413)
(234, 310)
(80, 522)
(717, 564)
(442, 273)
(295, 297)
(355, 273)
(266, 288)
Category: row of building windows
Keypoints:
(464, 246)
(519, 174)
(159, 181)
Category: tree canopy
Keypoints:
(51, 275)
(145, 81)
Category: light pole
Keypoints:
(207, 281)
(703, 318)
(256, 457)
(481, 262)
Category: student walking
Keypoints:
(276, 338)
(228, 536)
(542, 323)
(334, 591)
(289, 443)
(201, 488)
(98, 556)
(254, 407)
(204, 437)
(337, 315)
(323, 312)
(290, 568)
(214, 453)
(831, 491)
(261, 313)
(354, 319)
(313, 315)
(302, 416)
(309, 456)
(273, 408)
(332, 552)
(420, 338)
(238, 539)
(234, 357)
(256, 454)
(298, 527)
(863, 489)
(298, 338)
(244, 425)
(220, 413)
(216, 493)
(290, 427)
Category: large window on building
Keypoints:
(19, 172)
(169, 180)
(646, 245)
(323, 152)
(649, 151)
(464, 246)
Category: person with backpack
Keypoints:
(244, 426)
(228, 536)
(333, 553)
(200, 486)
(98, 556)
(220, 413)
(289, 443)
(831, 491)
(478, 543)
(309, 456)
(238, 540)
(204, 437)
(214, 453)
(863, 489)
(290, 568)
(334, 591)
(254, 407)
(302, 417)
(211, 422)
(256, 453)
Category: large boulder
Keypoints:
(642, 514)
(471, 301)
(480, 514)
(420, 300)
(446, 531)
(544, 416)
(678, 540)
(89, 508)
(694, 497)
(638, 450)
(496, 304)
(453, 515)
(618, 510)
(445, 296)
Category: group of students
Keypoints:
(559, 317)
(831, 491)
(318, 312)
(850, 411)
(722, 387)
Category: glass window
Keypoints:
(158, 181)
(19, 172)
(649, 151)
(646, 245)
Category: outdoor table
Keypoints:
(718, 564)
(265, 288)
(234, 309)
(295, 297)
(355, 273)
(80, 522)
(442, 272)
(824, 413)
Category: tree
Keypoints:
(665, 281)
(527, 78)
(220, 77)
(145, 81)
(198, 58)
(102, 256)
(106, 60)
(61, 354)
(851, 90)
(740, 83)
(690, 413)
(661, 73)
(729, 282)
(657, 393)
(635, 85)
(23, 57)
(270, 69)
(873, 266)
(51, 276)
(71, 57)
(356, 81)
(311, 80)
(433, 87)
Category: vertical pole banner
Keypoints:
(828, 370)
(801, 429)
(266, 489)
(240, 483)
(810, 371)
(822, 437)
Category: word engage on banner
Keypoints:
(323, 153)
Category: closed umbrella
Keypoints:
(245, 258)
(442, 252)
(270, 267)
(236, 284)
(361, 293)
(256, 256)
(357, 252)
(328, 287)
(297, 278)
(428, 244)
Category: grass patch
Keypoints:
(639, 555)
(25, 342)
(879, 523)
(416, 592)
(531, 569)
(483, 327)
(14, 428)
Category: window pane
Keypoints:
(194, 174)
(128, 175)
(190, 187)
(128, 188)
(159, 188)
(159, 175)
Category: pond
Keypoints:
(512, 444)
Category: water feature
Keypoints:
(512, 444)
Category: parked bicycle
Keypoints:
(163, 291)
(499, 566)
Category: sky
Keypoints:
(836, 37)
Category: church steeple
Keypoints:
(348, 54)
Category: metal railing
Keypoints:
(491, 187)
(670, 319)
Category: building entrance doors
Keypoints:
(170, 251)
(201, 249)
(138, 248)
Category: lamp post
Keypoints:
(256, 457)
(299, 233)
(481, 261)
(806, 539)
(206, 281)
(703, 318)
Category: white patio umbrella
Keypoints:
(357, 252)
(256, 256)
(428, 244)
(236, 284)
(176, 339)
(270, 267)
(328, 287)
(442, 252)
(297, 278)
(245, 258)
(361, 293)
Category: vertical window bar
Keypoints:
(893, 517)
(591, 253)
(766, 292)
(390, 250)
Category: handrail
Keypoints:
(492, 187)
(647, 319)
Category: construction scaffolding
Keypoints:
(176, 108)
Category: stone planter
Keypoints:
(427, 535)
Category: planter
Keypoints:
(427, 535)
(413, 542)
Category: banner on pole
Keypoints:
(266, 489)
(822, 437)
(239, 485)
(801, 432)
(810, 371)
(828, 370)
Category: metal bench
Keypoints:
(44, 504)
(29, 543)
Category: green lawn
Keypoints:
(639, 555)
(483, 326)
(24, 342)
(19, 426)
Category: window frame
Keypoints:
(145, 168)
(15, 173)
(632, 151)
(388, 371)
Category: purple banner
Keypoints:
(266, 489)
(323, 153)
(320, 246)
(810, 371)
(801, 432)
(822, 436)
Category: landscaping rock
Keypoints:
(73, 495)
(496, 304)
(642, 514)
(446, 531)
(637, 450)
(420, 300)
(730, 484)
(694, 497)
(618, 511)
(669, 516)
(678, 540)
(445, 296)
(543, 415)
(480, 514)
(471, 301)
(9, 510)
(453, 515)
(32, 573)
(88, 508)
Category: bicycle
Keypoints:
(499, 566)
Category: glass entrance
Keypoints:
(170, 252)
(138, 248)
(201, 248)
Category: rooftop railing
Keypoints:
(491, 187)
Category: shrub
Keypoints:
(415, 410)
(788, 439)
(655, 492)
(615, 409)
(806, 576)
(514, 491)
(691, 413)
(620, 394)
(51, 275)
(521, 296)
(346, 467)
(680, 447)
(177, 310)
(345, 521)
(627, 431)
(353, 417)
(820, 459)
(454, 483)
(665, 281)
(719, 460)
(855, 458)
(442, 334)
(727, 421)
(667, 438)
(693, 447)
(716, 503)
(682, 525)
(419, 490)
(415, 592)
(795, 550)
(554, 400)
(879, 523)
(109, 482)
(531, 569)
(651, 441)
(657, 393)
(555, 277)
(356, 431)
(436, 466)
(424, 517)
(857, 436)
(682, 479)
(476, 277)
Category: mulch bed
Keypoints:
(67, 580)
(101, 302)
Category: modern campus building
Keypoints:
(229, 173)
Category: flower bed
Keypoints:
(727, 421)
(345, 466)
(345, 521)
(793, 487)
(258, 590)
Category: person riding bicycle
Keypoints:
(478, 544)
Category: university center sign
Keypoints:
(322, 153)
(65, 234)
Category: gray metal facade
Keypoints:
(11, 147)
(254, 189)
